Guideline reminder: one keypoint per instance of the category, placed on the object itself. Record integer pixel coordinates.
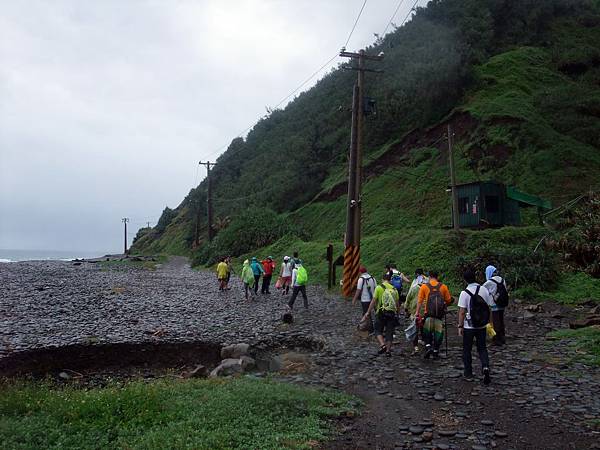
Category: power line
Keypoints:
(315, 73)
(355, 23)
(392, 18)
(409, 12)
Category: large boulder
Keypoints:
(229, 366)
(247, 362)
(234, 351)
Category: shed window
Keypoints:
(463, 205)
(492, 203)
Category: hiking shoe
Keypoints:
(486, 376)
(468, 377)
(388, 354)
(382, 350)
(436, 354)
(428, 352)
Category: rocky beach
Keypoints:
(85, 322)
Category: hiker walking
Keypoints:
(365, 289)
(473, 316)
(299, 280)
(257, 270)
(268, 268)
(285, 273)
(397, 279)
(386, 306)
(229, 272)
(295, 259)
(432, 301)
(222, 274)
(496, 286)
(248, 279)
(410, 306)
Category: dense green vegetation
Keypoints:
(200, 414)
(519, 81)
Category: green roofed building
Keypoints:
(484, 204)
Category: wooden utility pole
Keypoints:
(353, 204)
(125, 220)
(209, 212)
(455, 217)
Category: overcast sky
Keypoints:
(106, 107)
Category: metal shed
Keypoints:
(492, 204)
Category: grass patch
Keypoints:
(585, 342)
(572, 288)
(199, 414)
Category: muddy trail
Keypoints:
(91, 323)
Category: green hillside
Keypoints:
(520, 83)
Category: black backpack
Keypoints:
(436, 306)
(478, 309)
(502, 300)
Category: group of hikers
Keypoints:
(480, 312)
(480, 306)
(291, 274)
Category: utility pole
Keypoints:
(148, 224)
(125, 220)
(209, 212)
(455, 223)
(353, 204)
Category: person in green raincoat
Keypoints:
(247, 279)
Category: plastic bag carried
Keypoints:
(489, 330)
(411, 331)
(279, 283)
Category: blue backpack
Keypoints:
(396, 281)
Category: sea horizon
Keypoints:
(17, 255)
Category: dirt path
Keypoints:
(538, 398)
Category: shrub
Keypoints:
(252, 229)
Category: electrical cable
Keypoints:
(392, 18)
(355, 23)
(315, 73)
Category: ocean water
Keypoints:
(7, 256)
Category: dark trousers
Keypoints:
(498, 322)
(479, 335)
(266, 284)
(295, 291)
(256, 280)
(365, 308)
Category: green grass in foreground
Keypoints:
(239, 413)
(585, 343)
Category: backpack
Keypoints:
(388, 301)
(396, 281)
(436, 306)
(301, 276)
(479, 311)
(502, 300)
(366, 284)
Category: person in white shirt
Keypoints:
(472, 320)
(494, 280)
(286, 275)
(365, 288)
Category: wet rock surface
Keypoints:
(538, 398)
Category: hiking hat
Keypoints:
(362, 269)
(246, 262)
(269, 257)
(286, 258)
(254, 258)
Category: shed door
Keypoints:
(469, 206)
